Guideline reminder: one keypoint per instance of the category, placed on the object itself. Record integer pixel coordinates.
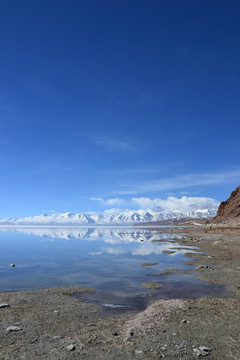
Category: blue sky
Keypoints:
(105, 101)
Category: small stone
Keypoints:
(3, 305)
(138, 352)
(204, 348)
(56, 337)
(202, 351)
(13, 328)
(197, 352)
(115, 334)
(12, 265)
(71, 347)
(34, 340)
(184, 321)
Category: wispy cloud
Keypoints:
(130, 195)
(95, 198)
(109, 142)
(45, 168)
(113, 143)
(179, 182)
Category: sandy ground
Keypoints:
(52, 324)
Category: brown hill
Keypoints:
(229, 210)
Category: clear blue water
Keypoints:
(106, 259)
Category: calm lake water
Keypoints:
(106, 259)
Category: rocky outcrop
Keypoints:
(229, 210)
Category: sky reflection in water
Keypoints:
(106, 259)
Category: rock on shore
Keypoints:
(229, 210)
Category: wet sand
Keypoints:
(54, 324)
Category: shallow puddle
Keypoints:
(174, 286)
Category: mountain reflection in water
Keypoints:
(113, 234)
(109, 260)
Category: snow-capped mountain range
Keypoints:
(127, 217)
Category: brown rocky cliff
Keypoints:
(229, 210)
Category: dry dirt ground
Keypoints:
(52, 324)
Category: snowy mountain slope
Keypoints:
(126, 217)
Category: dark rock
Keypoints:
(229, 210)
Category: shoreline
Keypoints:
(52, 319)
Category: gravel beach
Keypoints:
(53, 324)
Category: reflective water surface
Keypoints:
(114, 261)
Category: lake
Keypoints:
(113, 261)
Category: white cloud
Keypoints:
(115, 201)
(183, 204)
(146, 203)
(112, 211)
